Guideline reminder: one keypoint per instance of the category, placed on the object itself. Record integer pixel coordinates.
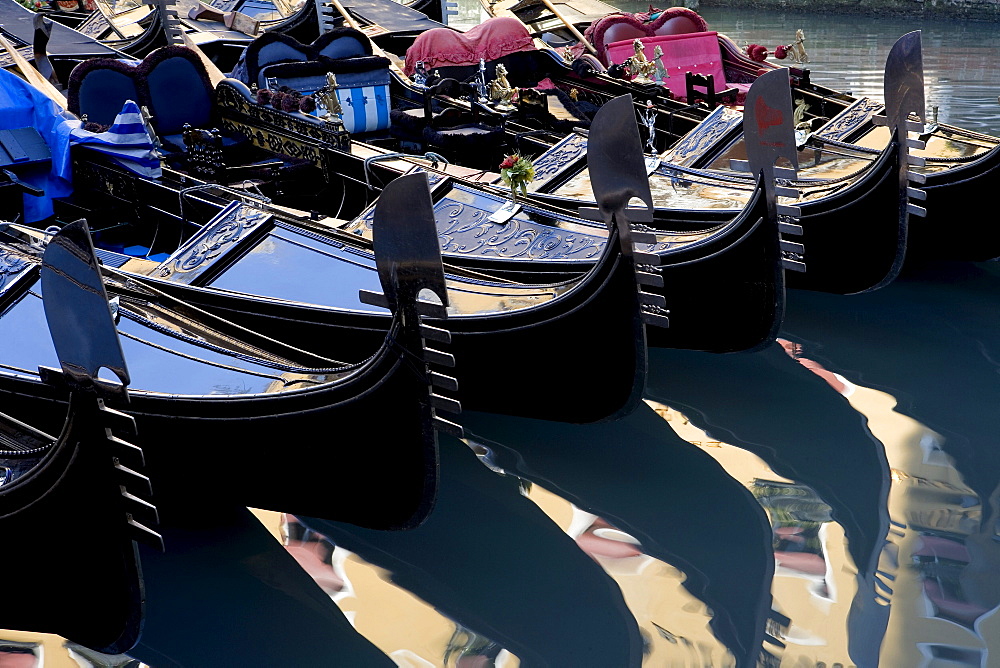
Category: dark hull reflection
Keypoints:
(489, 559)
(673, 497)
(227, 593)
(792, 418)
(933, 342)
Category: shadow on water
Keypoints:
(227, 593)
(492, 561)
(670, 495)
(932, 340)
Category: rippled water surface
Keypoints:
(847, 52)
(829, 501)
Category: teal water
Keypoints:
(829, 501)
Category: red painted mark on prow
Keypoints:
(766, 116)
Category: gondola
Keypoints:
(693, 201)
(738, 301)
(63, 45)
(136, 29)
(835, 211)
(217, 406)
(952, 163)
(488, 315)
(534, 244)
(688, 188)
(84, 488)
(838, 119)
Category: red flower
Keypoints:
(509, 161)
(781, 52)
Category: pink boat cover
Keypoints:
(492, 39)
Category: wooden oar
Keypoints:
(572, 28)
(215, 75)
(33, 76)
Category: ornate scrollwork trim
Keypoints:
(13, 268)
(219, 237)
(695, 143)
(843, 124)
(557, 159)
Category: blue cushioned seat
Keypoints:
(100, 87)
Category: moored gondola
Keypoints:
(716, 239)
(285, 273)
(85, 488)
(955, 163)
(691, 198)
(863, 213)
(531, 243)
(216, 412)
(220, 270)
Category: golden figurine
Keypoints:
(797, 49)
(638, 66)
(501, 91)
(328, 97)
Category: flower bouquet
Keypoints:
(517, 172)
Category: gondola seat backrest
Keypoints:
(622, 26)
(342, 43)
(273, 61)
(269, 49)
(99, 88)
(178, 90)
(171, 83)
(275, 49)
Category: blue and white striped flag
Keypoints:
(129, 141)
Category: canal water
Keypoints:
(832, 500)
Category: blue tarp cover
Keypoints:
(22, 105)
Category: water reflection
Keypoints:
(931, 342)
(226, 593)
(490, 560)
(832, 500)
(674, 498)
(792, 418)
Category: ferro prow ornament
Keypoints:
(769, 134)
(43, 31)
(408, 258)
(85, 488)
(904, 95)
(618, 174)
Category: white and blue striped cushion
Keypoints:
(128, 141)
(364, 108)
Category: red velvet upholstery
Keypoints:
(622, 26)
(691, 52)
